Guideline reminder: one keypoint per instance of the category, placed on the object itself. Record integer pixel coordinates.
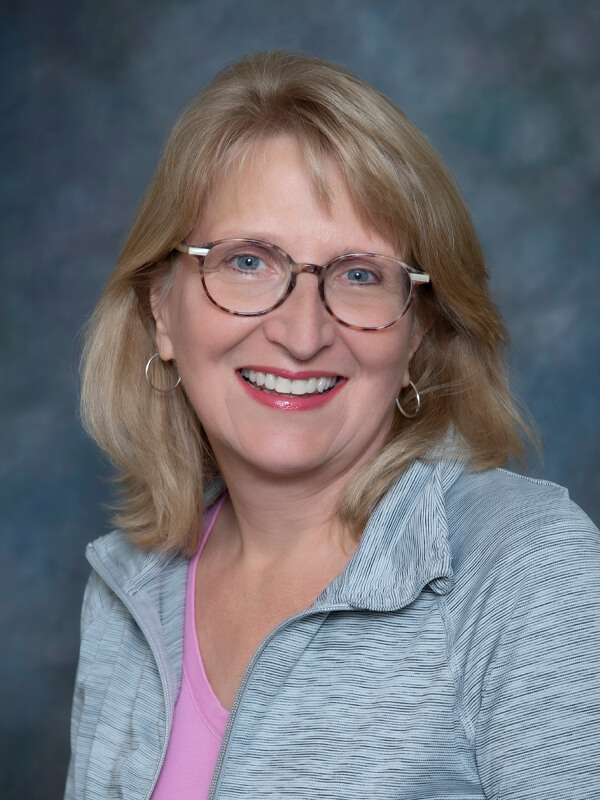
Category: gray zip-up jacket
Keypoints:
(457, 657)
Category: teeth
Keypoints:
(283, 386)
(300, 387)
(276, 383)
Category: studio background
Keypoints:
(507, 91)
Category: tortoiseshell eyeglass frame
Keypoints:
(417, 278)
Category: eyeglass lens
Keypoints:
(249, 278)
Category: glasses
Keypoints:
(248, 277)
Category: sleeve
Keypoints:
(537, 728)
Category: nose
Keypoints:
(301, 324)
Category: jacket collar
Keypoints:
(404, 546)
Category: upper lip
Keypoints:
(292, 374)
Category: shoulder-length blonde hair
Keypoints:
(400, 187)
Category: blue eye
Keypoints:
(356, 275)
(249, 263)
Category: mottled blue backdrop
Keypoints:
(507, 91)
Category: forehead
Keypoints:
(278, 158)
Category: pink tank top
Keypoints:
(199, 721)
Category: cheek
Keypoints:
(204, 339)
(386, 359)
(188, 324)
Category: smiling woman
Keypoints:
(323, 584)
(297, 340)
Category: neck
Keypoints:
(272, 518)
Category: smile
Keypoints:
(276, 384)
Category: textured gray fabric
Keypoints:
(455, 657)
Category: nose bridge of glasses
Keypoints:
(309, 269)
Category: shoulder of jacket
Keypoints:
(123, 563)
(503, 514)
(496, 488)
(116, 546)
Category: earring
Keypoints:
(417, 399)
(149, 380)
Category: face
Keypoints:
(321, 434)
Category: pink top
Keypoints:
(199, 721)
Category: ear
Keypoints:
(160, 311)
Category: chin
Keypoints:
(290, 467)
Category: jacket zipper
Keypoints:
(107, 577)
(244, 682)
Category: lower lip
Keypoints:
(299, 403)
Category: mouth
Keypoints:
(271, 383)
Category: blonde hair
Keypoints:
(401, 188)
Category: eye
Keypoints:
(248, 263)
(353, 273)
(359, 275)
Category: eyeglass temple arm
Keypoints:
(419, 277)
(192, 251)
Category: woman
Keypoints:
(323, 586)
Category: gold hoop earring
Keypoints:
(417, 400)
(149, 380)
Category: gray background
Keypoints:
(507, 91)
